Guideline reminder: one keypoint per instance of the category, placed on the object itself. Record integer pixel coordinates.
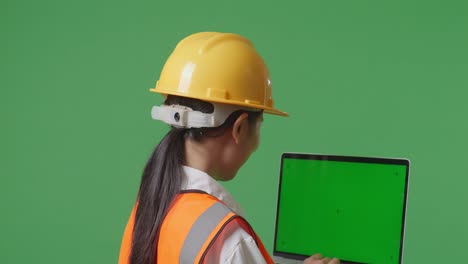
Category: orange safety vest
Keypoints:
(190, 227)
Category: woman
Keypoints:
(217, 88)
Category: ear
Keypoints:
(239, 128)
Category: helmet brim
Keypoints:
(266, 109)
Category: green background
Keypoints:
(368, 78)
(349, 210)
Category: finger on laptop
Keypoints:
(319, 259)
(315, 257)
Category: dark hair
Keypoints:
(162, 178)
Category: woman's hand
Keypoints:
(319, 259)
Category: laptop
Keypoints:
(351, 208)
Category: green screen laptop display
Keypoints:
(345, 207)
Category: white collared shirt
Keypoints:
(234, 244)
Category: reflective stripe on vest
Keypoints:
(201, 230)
(189, 229)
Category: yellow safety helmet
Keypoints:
(222, 68)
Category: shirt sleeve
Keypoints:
(234, 245)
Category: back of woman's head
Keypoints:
(163, 175)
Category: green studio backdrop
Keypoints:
(366, 78)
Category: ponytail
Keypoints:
(160, 183)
